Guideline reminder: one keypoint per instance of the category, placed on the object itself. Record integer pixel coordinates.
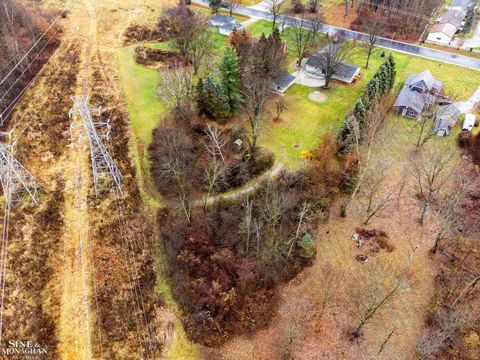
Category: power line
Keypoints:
(33, 46)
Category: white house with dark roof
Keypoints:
(419, 90)
(282, 82)
(345, 72)
(444, 31)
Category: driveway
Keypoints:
(410, 49)
(469, 105)
(474, 41)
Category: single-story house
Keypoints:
(227, 29)
(442, 34)
(282, 82)
(448, 25)
(469, 122)
(345, 72)
(461, 5)
(220, 20)
(417, 92)
(447, 117)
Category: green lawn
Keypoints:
(305, 122)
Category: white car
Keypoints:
(469, 122)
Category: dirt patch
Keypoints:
(139, 33)
(372, 241)
(318, 97)
(161, 59)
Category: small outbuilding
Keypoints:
(447, 117)
(282, 82)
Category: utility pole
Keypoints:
(106, 174)
(15, 179)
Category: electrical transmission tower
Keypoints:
(16, 180)
(105, 172)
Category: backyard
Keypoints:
(304, 122)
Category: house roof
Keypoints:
(425, 76)
(411, 99)
(231, 26)
(284, 79)
(344, 70)
(454, 17)
(222, 19)
(461, 4)
(448, 112)
(447, 29)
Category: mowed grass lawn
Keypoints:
(306, 122)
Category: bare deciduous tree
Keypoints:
(433, 169)
(280, 107)
(217, 168)
(275, 10)
(255, 93)
(332, 56)
(374, 30)
(305, 34)
(232, 5)
(200, 49)
(176, 91)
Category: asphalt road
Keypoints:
(415, 50)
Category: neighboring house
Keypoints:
(461, 5)
(447, 117)
(345, 72)
(220, 20)
(282, 82)
(450, 23)
(442, 34)
(419, 90)
(227, 29)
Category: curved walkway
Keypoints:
(249, 188)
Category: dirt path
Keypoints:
(245, 190)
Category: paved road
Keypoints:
(382, 42)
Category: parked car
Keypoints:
(469, 122)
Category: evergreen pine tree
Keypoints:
(393, 70)
(209, 97)
(371, 91)
(384, 78)
(230, 79)
(199, 96)
(221, 109)
(360, 112)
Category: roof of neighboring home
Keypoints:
(448, 112)
(284, 79)
(344, 70)
(454, 17)
(447, 29)
(425, 76)
(463, 4)
(222, 19)
(231, 26)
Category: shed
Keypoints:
(447, 117)
(282, 82)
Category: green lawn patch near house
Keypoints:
(306, 122)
